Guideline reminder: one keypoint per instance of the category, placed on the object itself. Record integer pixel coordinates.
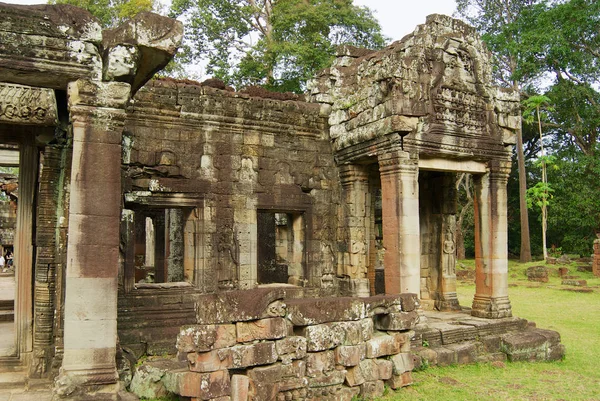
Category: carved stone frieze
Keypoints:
(20, 104)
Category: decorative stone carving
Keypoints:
(21, 104)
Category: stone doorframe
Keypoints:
(399, 172)
(23, 244)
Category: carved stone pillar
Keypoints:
(90, 334)
(400, 213)
(355, 184)
(491, 244)
(446, 297)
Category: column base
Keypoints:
(89, 384)
(447, 302)
(490, 307)
(354, 287)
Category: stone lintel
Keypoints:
(20, 104)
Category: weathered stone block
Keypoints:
(384, 368)
(327, 379)
(147, 379)
(204, 386)
(304, 312)
(372, 389)
(399, 381)
(398, 321)
(466, 353)
(402, 363)
(210, 361)
(537, 273)
(527, 345)
(290, 348)
(318, 363)
(253, 354)
(277, 372)
(322, 337)
(200, 338)
(350, 355)
(263, 329)
(239, 387)
(445, 356)
(382, 345)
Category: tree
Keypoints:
(110, 12)
(278, 44)
(500, 25)
(533, 108)
(565, 44)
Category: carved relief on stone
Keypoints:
(227, 258)
(21, 104)
(449, 248)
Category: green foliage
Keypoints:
(539, 195)
(110, 12)
(278, 44)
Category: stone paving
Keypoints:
(24, 395)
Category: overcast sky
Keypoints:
(397, 17)
(400, 17)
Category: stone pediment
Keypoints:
(433, 88)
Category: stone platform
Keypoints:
(444, 338)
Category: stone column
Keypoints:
(90, 336)
(355, 184)
(491, 244)
(400, 212)
(446, 297)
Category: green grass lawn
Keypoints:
(575, 315)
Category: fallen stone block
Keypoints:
(206, 337)
(318, 363)
(383, 345)
(575, 283)
(399, 381)
(239, 387)
(398, 321)
(322, 337)
(210, 361)
(384, 368)
(254, 354)
(332, 378)
(404, 362)
(290, 348)
(350, 355)
(147, 379)
(204, 386)
(537, 273)
(372, 389)
(263, 329)
(525, 346)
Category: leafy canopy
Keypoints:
(278, 44)
(110, 13)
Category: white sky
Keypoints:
(400, 17)
(397, 17)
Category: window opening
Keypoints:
(280, 247)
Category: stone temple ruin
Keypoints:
(282, 247)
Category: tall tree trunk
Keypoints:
(525, 243)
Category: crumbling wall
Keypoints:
(235, 155)
(301, 349)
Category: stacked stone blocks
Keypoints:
(349, 349)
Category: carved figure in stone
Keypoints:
(227, 263)
(449, 249)
(358, 250)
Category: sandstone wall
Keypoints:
(308, 349)
(230, 156)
